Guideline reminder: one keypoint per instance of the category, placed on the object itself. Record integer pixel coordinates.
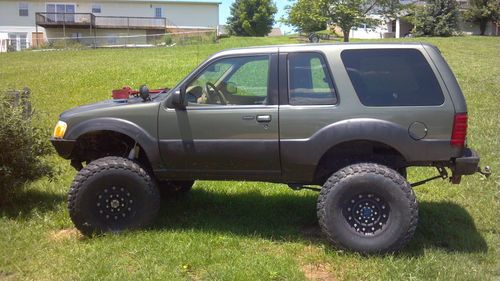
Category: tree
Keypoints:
(251, 17)
(342, 13)
(483, 11)
(436, 18)
(305, 16)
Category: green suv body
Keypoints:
(349, 117)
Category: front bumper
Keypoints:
(63, 147)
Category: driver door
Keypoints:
(229, 129)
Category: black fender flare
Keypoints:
(303, 155)
(367, 129)
(147, 142)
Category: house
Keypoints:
(33, 22)
(276, 31)
(400, 27)
(4, 37)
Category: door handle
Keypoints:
(263, 118)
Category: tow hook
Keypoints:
(485, 172)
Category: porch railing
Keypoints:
(88, 19)
(130, 22)
(56, 19)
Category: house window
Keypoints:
(23, 9)
(96, 8)
(60, 12)
(158, 12)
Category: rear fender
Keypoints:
(301, 156)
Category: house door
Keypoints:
(18, 41)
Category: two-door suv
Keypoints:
(349, 117)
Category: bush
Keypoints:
(168, 39)
(21, 147)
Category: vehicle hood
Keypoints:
(102, 105)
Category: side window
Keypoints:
(251, 78)
(392, 77)
(231, 81)
(309, 81)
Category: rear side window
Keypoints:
(309, 81)
(392, 77)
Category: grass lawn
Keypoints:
(243, 230)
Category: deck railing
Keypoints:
(56, 19)
(88, 19)
(130, 22)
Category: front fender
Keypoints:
(147, 142)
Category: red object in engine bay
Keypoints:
(126, 92)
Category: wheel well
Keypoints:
(352, 152)
(97, 144)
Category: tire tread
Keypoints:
(365, 168)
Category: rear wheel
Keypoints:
(368, 208)
(112, 194)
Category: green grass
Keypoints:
(243, 230)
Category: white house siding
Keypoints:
(180, 14)
(17, 27)
(103, 37)
(189, 15)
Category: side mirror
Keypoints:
(144, 93)
(177, 99)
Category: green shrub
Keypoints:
(22, 146)
(168, 39)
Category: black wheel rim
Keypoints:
(366, 213)
(115, 204)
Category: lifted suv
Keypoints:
(349, 117)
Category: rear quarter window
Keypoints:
(392, 77)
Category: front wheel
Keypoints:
(368, 208)
(112, 194)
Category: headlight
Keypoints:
(60, 129)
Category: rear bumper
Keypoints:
(63, 147)
(467, 164)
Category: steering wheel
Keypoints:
(212, 89)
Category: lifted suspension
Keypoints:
(443, 174)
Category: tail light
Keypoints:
(459, 133)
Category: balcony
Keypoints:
(92, 21)
(65, 19)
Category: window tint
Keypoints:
(231, 81)
(23, 9)
(392, 77)
(309, 80)
(251, 78)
